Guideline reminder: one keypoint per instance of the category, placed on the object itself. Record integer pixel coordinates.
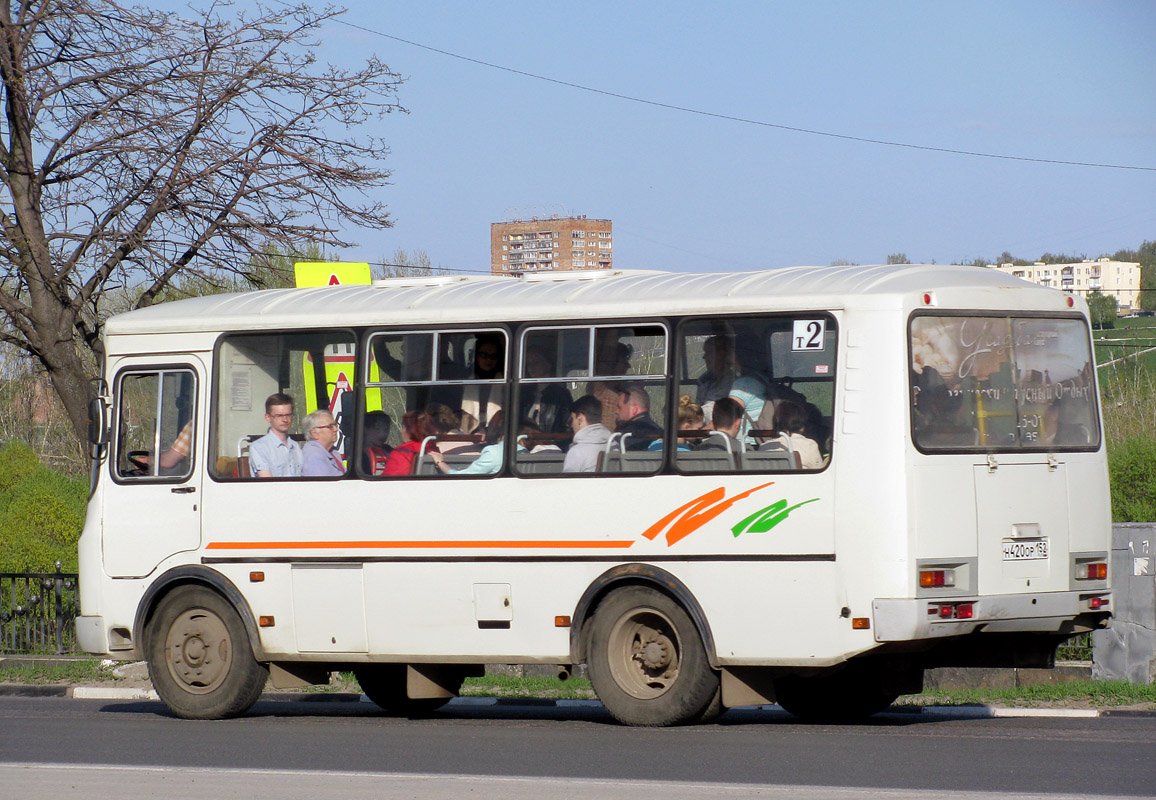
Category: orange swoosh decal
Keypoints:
(688, 518)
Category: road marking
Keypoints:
(147, 783)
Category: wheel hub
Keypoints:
(198, 651)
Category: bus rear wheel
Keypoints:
(385, 685)
(199, 656)
(647, 662)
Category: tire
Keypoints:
(848, 695)
(385, 685)
(199, 656)
(647, 662)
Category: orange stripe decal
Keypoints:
(469, 544)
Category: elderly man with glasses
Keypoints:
(276, 455)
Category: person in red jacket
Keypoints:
(414, 428)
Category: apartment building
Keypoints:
(1119, 279)
(553, 243)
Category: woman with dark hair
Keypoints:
(414, 428)
(790, 424)
(489, 462)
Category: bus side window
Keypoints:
(444, 393)
(314, 369)
(155, 425)
(617, 374)
(780, 369)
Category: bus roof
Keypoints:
(442, 299)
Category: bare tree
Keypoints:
(138, 145)
(405, 265)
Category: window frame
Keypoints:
(115, 448)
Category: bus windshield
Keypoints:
(1002, 383)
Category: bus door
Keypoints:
(152, 501)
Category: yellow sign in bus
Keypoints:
(338, 366)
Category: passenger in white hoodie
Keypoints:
(590, 435)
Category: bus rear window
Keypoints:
(1002, 383)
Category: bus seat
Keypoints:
(540, 463)
(704, 460)
(640, 461)
(425, 465)
(762, 460)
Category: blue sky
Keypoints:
(1069, 81)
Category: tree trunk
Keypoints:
(70, 379)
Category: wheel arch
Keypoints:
(637, 574)
(194, 575)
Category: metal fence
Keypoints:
(38, 612)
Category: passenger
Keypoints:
(482, 400)
(526, 433)
(377, 428)
(319, 456)
(590, 435)
(613, 359)
(690, 418)
(547, 405)
(276, 455)
(445, 423)
(725, 378)
(413, 430)
(489, 462)
(727, 418)
(634, 418)
(790, 424)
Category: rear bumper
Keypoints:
(905, 620)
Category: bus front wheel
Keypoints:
(647, 662)
(199, 656)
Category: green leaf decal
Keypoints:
(763, 520)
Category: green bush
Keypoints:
(41, 513)
(1132, 471)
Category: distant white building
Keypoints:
(1119, 279)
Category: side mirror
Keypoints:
(97, 428)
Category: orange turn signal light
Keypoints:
(861, 623)
(561, 622)
(266, 622)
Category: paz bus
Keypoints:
(958, 516)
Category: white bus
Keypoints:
(943, 500)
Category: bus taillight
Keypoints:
(1092, 571)
(932, 578)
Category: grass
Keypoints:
(533, 687)
(81, 671)
(1097, 694)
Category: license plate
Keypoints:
(1025, 549)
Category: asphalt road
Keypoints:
(319, 750)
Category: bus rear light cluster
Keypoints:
(1096, 603)
(1092, 571)
(952, 610)
(933, 578)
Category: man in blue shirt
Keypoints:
(275, 455)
